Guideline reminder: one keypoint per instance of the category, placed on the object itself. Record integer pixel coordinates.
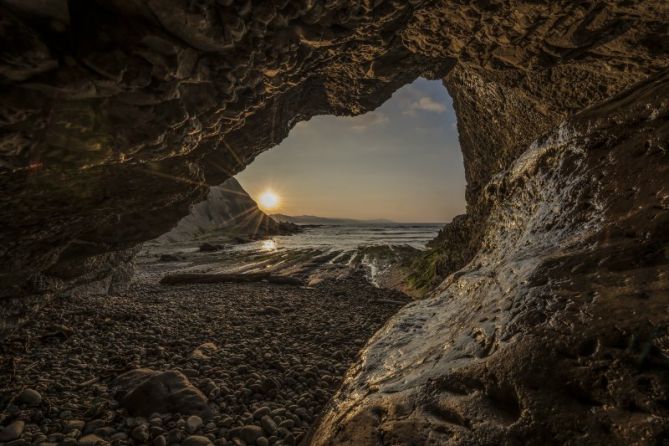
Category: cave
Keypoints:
(547, 317)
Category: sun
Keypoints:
(269, 200)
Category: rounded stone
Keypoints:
(71, 425)
(258, 414)
(268, 425)
(196, 440)
(30, 397)
(140, 433)
(250, 433)
(91, 440)
(193, 424)
(119, 436)
(160, 440)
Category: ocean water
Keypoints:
(350, 237)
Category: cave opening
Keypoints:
(401, 162)
(339, 194)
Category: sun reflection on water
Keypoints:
(268, 245)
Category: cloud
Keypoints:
(363, 122)
(426, 104)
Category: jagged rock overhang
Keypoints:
(118, 114)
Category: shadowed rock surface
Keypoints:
(117, 115)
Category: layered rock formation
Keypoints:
(116, 115)
(228, 209)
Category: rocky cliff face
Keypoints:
(228, 208)
(556, 332)
(117, 114)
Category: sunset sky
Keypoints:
(401, 162)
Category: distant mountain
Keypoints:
(313, 220)
(228, 210)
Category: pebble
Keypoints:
(160, 440)
(91, 440)
(140, 433)
(262, 441)
(174, 436)
(208, 386)
(73, 434)
(71, 425)
(119, 436)
(258, 414)
(12, 431)
(55, 437)
(268, 425)
(226, 422)
(193, 424)
(302, 413)
(250, 433)
(30, 397)
(196, 440)
(289, 439)
(105, 431)
(93, 425)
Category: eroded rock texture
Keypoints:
(117, 114)
(557, 331)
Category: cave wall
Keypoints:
(556, 331)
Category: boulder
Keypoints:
(143, 392)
